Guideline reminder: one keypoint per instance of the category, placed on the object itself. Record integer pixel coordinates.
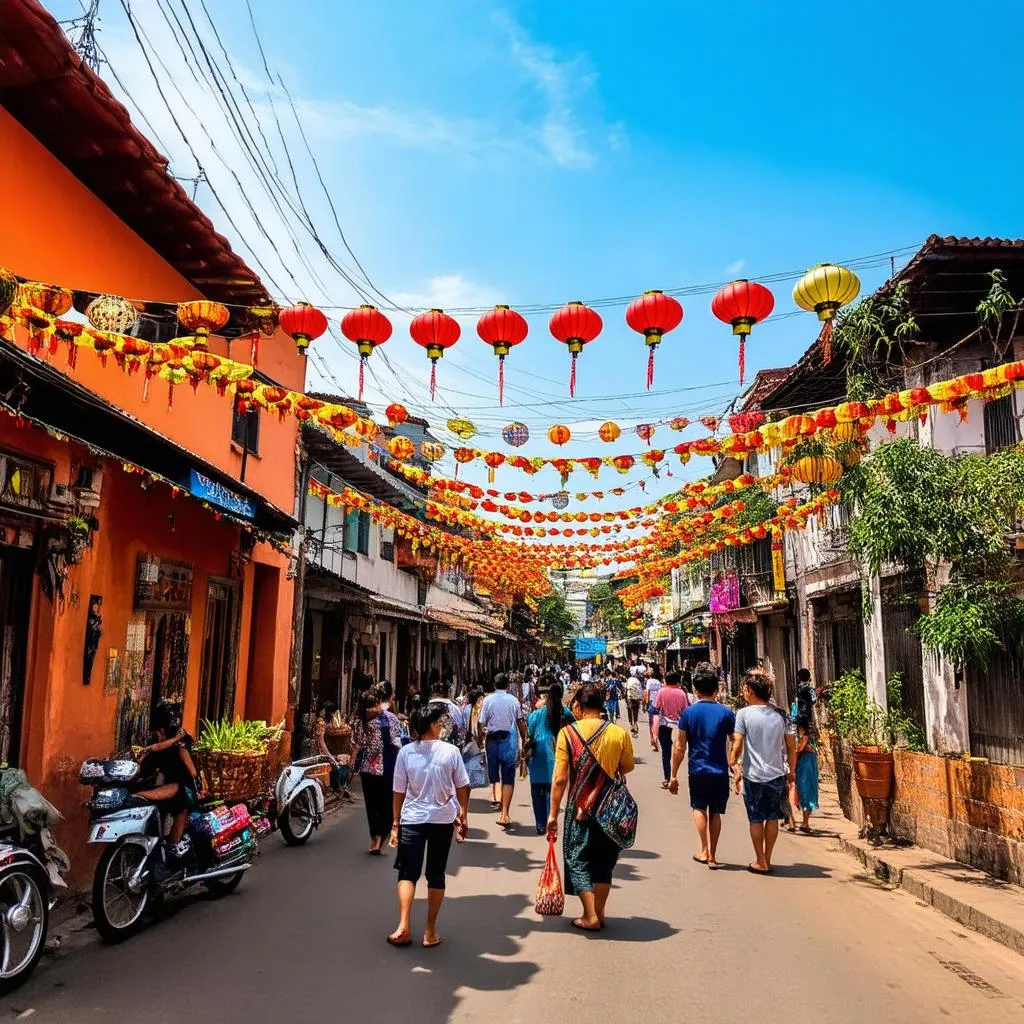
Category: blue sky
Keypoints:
(538, 152)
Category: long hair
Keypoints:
(554, 708)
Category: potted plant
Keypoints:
(78, 528)
(872, 733)
(234, 757)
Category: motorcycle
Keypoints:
(299, 800)
(127, 880)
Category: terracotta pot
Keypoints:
(874, 772)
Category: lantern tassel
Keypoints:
(743, 358)
(170, 396)
(501, 380)
(72, 354)
(650, 367)
(254, 354)
(433, 388)
(145, 388)
(572, 377)
(362, 375)
(826, 342)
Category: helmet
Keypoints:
(166, 716)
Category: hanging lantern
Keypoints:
(515, 434)
(401, 448)
(202, 317)
(575, 325)
(560, 499)
(493, 460)
(742, 303)
(559, 434)
(396, 414)
(653, 315)
(8, 290)
(303, 323)
(823, 290)
(609, 432)
(432, 451)
(502, 328)
(645, 431)
(45, 303)
(261, 321)
(366, 327)
(111, 313)
(434, 331)
(462, 428)
(817, 469)
(464, 455)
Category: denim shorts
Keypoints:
(502, 754)
(764, 799)
(709, 792)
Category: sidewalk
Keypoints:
(970, 897)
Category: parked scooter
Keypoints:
(300, 800)
(133, 871)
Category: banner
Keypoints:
(590, 646)
(778, 567)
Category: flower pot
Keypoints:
(875, 773)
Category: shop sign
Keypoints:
(223, 497)
(590, 646)
(659, 633)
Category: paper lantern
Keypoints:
(396, 414)
(401, 448)
(464, 455)
(502, 328)
(645, 431)
(742, 304)
(203, 318)
(366, 327)
(303, 323)
(515, 434)
(434, 331)
(824, 289)
(111, 313)
(560, 499)
(260, 321)
(8, 290)
(575, 325)
(559, 434)
(462, 428)
(817, 469)
(432, 451)
(609, 432)
(653, 315)
(45, 303)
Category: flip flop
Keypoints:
(431, 945)
(577, 922)
(755, 870)
(713, 865)
(700, 860)
(392, 941)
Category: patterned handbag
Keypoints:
(617, 813)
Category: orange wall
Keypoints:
(62, 233)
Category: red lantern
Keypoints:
(303, 323)
(202, 318)
(653, 315)
(435, 331)
(742, 304)
(501, 329)
(396, 414)
(575, 325)
(367, 327)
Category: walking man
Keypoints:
(634, 695)
(705, 726)
(766, 742)
(501, 718)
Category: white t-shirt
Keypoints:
(764, 729)
(428, 772)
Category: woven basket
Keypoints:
(338, 739)
(233, 776)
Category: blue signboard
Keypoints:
(590, 647)
(217, 494)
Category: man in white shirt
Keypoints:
(501, 718)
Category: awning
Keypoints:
(389, 608)
(457, 622)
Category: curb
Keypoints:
(919, 885)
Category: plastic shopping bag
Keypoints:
(550, 899)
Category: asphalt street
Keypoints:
(303, 940)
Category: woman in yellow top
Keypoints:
(588, 754)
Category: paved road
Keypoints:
(303, 940)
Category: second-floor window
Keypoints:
(245, 430)
(357, 532)
(387, 544)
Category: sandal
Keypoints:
(431, 945)
(578, 923)
(664, 785)
(392, 941)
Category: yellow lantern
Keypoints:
(432, 451)
(401, 448)
(817, 469)
(462, 428)
(111, 313)
(823, 290)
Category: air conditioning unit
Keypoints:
(60, 495)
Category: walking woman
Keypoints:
(672, 700)
(596, 751)
(376, 741)
(543, 727)
(806, 772)
(430, 805)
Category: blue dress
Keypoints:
(542, 763)
(807, 780)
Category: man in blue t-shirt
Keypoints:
(707, 727)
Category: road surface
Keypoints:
(302, 940)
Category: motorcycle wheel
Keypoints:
(224, 886)
(118, 910)
(297, 820)
(24, 919)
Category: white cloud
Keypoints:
(735, 267)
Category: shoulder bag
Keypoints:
(615, 811)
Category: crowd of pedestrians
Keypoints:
(559, 729)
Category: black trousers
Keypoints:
(379, 802)
(416, 840)
(665, 742)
